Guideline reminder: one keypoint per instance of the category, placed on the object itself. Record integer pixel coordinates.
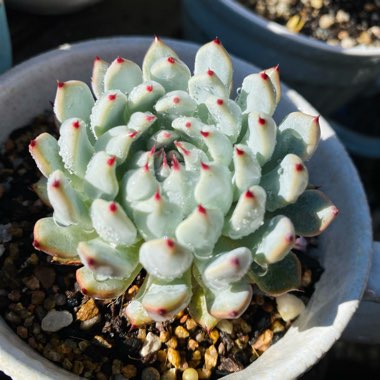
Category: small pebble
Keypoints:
(172, 342)
(211, 357)
(174, 357)
(190, 374)
(192, 344)
(170, 374)
(191, 324)
(56, 320)
(129, 371)
(326, 21)
(151, 345)
(342, 16)
(22, 332)
(214, 335)
(164, 336)
(87, 311)
(316, 4)
(181, 332)
(204, 373)
(90, 323)
(150, 373)
(263, 341)
(46, 276)
(38, 297)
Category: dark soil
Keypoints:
(345, 22)
(99, 343)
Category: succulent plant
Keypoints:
(164, 172)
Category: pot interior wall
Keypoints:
(344, 249)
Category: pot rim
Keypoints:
(20, 351)
(301, 39)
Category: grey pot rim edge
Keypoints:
(300, 39)
(85, 47)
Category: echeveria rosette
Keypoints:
(163, 171)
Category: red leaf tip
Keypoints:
(205, 134)
(204, 166)
(188, 124)
(32, 143)
(249, 194)
(262, 121)
(170, 243)
(171, 60)
(112, 97)
(119, 60)
(56, 183)
(299, 167)
(60, 84)
(149, 88)
(220, 102)
(176, 99)
(210, 73)
(36, 244)
(111, 160)
(201, 209)
(76, 124)
(113, 207)
(217, 41)
(239, 152)
(264, 75)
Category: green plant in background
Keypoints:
(165, 172)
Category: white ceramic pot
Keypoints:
(50, 7)
(345, 250)
(328, 76)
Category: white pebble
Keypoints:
(326, 21)
(289, 306)
(152, 344)
(56, 320)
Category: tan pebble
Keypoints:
(245, 327)
(368, 7)
(326, 21)
(141, 334)
(102, 341)
(83, 344)
(164, 336)
(174, 357)
(295, 23)
(211, 357)
(347, 43)
(342, 16)
(214, 336)
(277, 326)
(170, 375)
(129, 371)
(162, 356)
(221, 349)
(191, 324)
(181, 332)
(190, 374)
(239, 344)
(78, 367)
(172, 342)
(364, 38)
(183, 319)
(316, 4)
(180, 314)
(132, 291)
(151, 344)
(375, 31)
(226, 326)
(22, 332)
(263, 341)
(192, 344)
(200, 337)
(306, 277)
(197, 355)
(87, 311)
(204, 373)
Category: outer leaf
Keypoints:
(104, 289)
(311, 214)
(213, 56)
(280, 277)
(97, 80)
(59, 242)
(73, 99)
(45, 151)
